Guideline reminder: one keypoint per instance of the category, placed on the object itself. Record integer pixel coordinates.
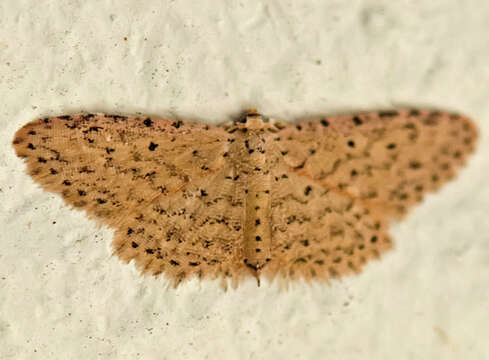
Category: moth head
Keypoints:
(252, 120)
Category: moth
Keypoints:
(308, 200)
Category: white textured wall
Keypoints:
(62, 295)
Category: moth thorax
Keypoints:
(254, 122)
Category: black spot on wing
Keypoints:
(148, 122)
(152, 146)
(388, 113)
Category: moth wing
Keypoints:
(388, 159)
(319, 233)
(111, 165)
(197, 231)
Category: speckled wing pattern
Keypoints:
(311, 200)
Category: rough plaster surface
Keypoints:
(62, 295)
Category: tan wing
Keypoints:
(151, 179)
(100, 162)
(196, 231)
(388, 159)
(319, 233)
